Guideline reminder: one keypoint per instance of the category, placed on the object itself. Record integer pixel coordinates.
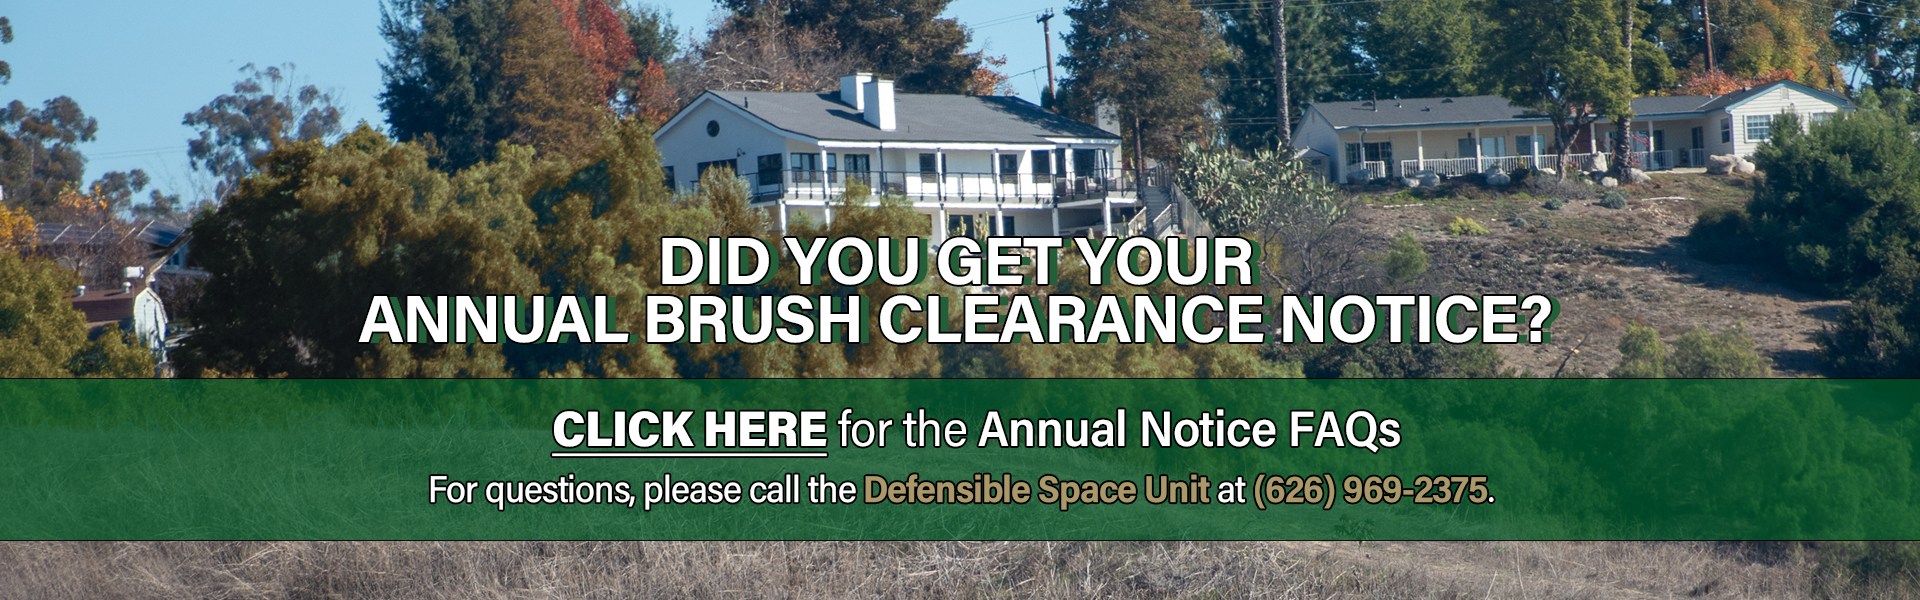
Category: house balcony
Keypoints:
(984, 189)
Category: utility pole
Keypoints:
(1707, 16)
(1284, 120)
(1046, 30)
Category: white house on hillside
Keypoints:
(974, 164)
(1454, 136)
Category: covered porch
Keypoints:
(1658, 144)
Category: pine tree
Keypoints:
(1150, 58)
(1319, 64)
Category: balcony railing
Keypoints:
(1005, 188)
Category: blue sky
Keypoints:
(139, 67)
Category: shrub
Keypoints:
(1615, 199)
(1556, 187)
(1406, 260)
(1466, 226)
(1519, 222)
(1642, 356)
(1722, 234)
(1728, 354)
(1555, 204)
(1698, 354)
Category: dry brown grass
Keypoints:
(1517, 570)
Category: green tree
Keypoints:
(903, 39)
(1431, 48)
(1149, 57)
(1563, 60)
(1320, 63)
(550, 100)
(39, 151)
(266, 108)
(302, 246)
(6, 37)
(1309, 243)
(42, 335)
(1882, 38)
(464, 75)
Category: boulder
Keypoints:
(1428, 178)
(1410, 182)
(1638, 176)
(1721, 164)
(1546, 171)
(1744, 167)
(1609, 182)
(1498, 179)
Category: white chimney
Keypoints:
(126, 287)
(877, 101)
(850, 85)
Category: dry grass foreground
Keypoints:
(1518, 570)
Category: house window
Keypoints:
(1466, 147)
(1009, 168)
(1085, 161)
(833, 167)
(1726, 130)
(1372, 152)
(1759, 128)
(1006, 227)
(1818, 118)
(770, 169)
(1528, 145)
(961, 225)
(1493, 146)
(730, 165)
(1699, 138)
(806, 168)
(929, 164)
(1042, 166)
(857, 167)
(666, 176)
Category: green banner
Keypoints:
(958, 459)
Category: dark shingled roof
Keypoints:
(918, 118)
(1491, 109)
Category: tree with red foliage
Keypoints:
(1717, 82)
(600, 38)
(652, 99)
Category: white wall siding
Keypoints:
(686, 144)
(1775, 101)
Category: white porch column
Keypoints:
(824, 190)
(940, 226)
(1479, 164)
(1419, 149)
(1056, 221)
(783, 216)
(1106, 214)
(1650, 147)
(1534, 142)
(940, 172)
(829, 207)
(1593, 139)
(999, 222)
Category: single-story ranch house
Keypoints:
(973, 164)
(1454, 136)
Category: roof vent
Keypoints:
(80, 290)
(1426, 109)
